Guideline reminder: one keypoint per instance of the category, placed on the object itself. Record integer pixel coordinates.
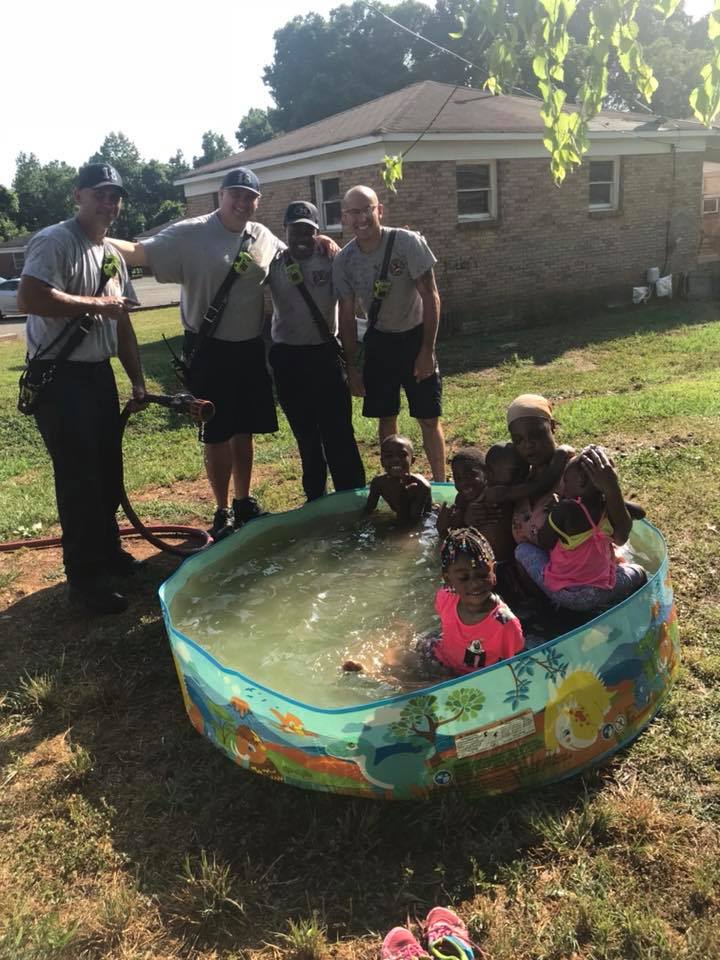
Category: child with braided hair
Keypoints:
(477, 628)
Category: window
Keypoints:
(711, 204)
(476, 191)
(328, 193)
(603, 185)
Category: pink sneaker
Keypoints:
(400, 944)
(447, 936)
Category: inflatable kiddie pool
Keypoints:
(545, 715)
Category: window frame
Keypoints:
(320, 203)
(714, 197)
(614, 203)
(492, 191)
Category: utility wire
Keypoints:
(451, 53)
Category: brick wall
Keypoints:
(546, 253)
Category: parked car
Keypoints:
(8, 296)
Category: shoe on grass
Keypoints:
(246, 509)
(222, 524)
(95, 596)
(400, 944)
(446, 935)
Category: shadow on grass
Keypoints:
(181, 812)
(543, 344)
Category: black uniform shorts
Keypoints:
(388, 366)
(234, 375)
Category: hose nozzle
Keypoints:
(198, 410)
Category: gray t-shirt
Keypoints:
(355, 272)
(292, 321)
(198, 253)
(65, 258)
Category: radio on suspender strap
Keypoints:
(213, 314)
(381, 287)
(294, 274)
(32, 380)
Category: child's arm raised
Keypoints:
(541, 482)
(450, 517)
(373, 495)
(604, 476)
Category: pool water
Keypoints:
(292, 607)
(299, 594)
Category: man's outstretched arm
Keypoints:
(133, 253)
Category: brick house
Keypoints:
(12, 255)
(511, 246)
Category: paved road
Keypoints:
(149, 292)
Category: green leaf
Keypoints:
(392, 172)
(666, 7)
(714, 25)
(539, 66)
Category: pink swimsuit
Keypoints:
(585, 559)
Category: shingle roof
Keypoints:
(410, 110)
(21, 240)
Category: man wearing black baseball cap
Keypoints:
(227, 365)
(306, 358)
(72, 274)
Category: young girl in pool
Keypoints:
(476, 628)
(575, 563)
(532, 431)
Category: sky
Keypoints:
(75, 71)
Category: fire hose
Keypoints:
(200, 411)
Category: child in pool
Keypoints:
(408, 494)
(532, 431)
(469, 475)
(472, 472)
(477, 628)
(575, 564)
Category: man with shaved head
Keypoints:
(400, 298)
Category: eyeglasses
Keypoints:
(362, 212)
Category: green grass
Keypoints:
(125, 835)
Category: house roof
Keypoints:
(410, 110)
(17, 243)
(151, 231)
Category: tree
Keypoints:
(121, 152)
(321, 67)
(585, 52)
(255, 127)
(214, 147)
(152, 196)
(44, 192)
(9, 212)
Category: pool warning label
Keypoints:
(495, 735)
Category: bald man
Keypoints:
(400, 347)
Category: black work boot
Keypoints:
(246, 509)
(123, 564)
(222, 524)
(95, 596)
